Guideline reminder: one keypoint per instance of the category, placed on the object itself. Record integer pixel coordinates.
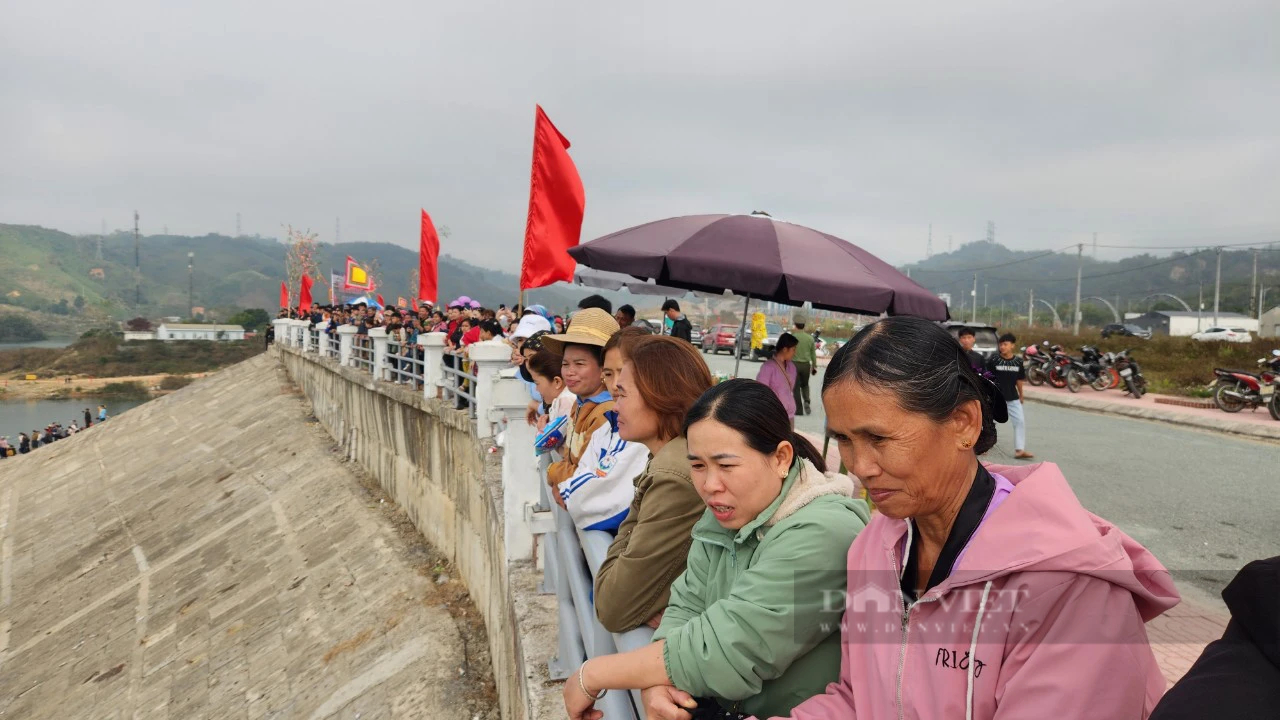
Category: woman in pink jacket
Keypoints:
(976, 591)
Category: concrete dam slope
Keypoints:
(211, 555)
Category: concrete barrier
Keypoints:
(430, 459)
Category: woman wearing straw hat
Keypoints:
(582, 347)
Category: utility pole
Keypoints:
(191, 285)
(100, 237)
(1253, 287)
(1217, 288)
(928, 250)
(991, 231)
(238, 225)
(1031, 310)
(975, 297)
(137, 263)
(1095, 245)
(1075, 328)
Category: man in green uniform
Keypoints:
(806, 362)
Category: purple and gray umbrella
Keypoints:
(764, 259)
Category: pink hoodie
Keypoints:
(1042, 617)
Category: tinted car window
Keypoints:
(1239, 330)
(985, 338)
(1133, 328)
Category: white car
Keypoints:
(1227, 334)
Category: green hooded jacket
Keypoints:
(754, 621)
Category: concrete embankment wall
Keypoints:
(428, 457)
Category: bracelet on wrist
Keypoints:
(583, 685)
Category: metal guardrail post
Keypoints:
(490, 357)
(521, 481)
(378, 336)
(346, 340)
(281, 326)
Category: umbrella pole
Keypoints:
(737, 346)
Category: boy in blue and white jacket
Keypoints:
(600, 491)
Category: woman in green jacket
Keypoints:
(753, 624)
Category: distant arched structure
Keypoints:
(1057, 321)
(1181, 302)
(1104, 301)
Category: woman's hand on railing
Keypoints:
(578, 704)
(664, 702)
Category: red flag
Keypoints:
(284, 295)
(428, 254)
(556, 204)
(381, 302)
(304, 294)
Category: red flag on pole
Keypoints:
(304, 294)
(381, 301)
(556, 205)
(428, 255)
(284, 295)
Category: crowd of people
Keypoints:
(925, 583)
(51, 433)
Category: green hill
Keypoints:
(1008, 276)
(46, 270)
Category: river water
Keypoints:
(54, 343)
(17, 416)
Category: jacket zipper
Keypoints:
(906, 633)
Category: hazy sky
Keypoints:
(1150, 122)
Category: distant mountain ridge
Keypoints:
(41, 267)
(1009, 276)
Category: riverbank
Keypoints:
(58, 388)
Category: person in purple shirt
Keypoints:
(779, 373)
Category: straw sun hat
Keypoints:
(591, 326)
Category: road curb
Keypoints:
(1223, 425)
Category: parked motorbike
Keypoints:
(1058, 367)
(1089, 369)
(1235, 390)
(1037, 364)
(1272, 391)
(1130, 374)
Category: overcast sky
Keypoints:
(1153, 123)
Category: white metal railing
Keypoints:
(571, 557)
(362, 353)
(458, 385)
(313, 339)
(404, 364)
(571, 560)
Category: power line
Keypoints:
(1108, 274)
(1184, 247)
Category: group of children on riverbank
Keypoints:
(51, 433)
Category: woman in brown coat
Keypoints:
(661, 379)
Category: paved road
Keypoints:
(1204, 503)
